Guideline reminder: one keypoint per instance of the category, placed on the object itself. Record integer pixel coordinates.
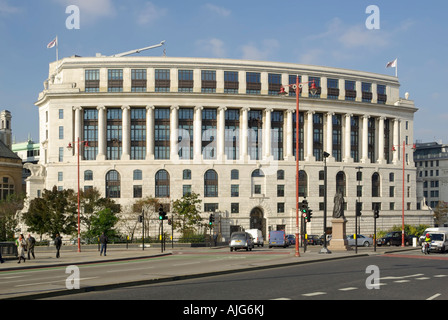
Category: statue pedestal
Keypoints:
(338, 238)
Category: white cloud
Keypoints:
(91, 9)
(213, 47)
(218, 10)
(150, 13)
(6, 8)
(268, 47)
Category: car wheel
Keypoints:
(366, 244)
(231, 249)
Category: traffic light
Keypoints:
(211, 219)
(358, 208)
(376, 212)
(162, 214)
(140, 218)
(308, 217)
(304, 208)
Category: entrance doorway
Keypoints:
(257, 220)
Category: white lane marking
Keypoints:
(402, 277)
(348, 289)
(282, 299)
(440, 276)
(402, 281)
(185, 264)
(422, 278)
(126, 270)
(312, 294)
(49, 282)
(434, 296)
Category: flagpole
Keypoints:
(57, 49)
(396, 68)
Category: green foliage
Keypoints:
(187, 210)
(55, 212)
(103, 221)
(8, 215)
(408, 229)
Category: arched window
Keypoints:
(375, 185)
(341, 185)
(186, 174)
(303, 183)
(280, 174)
(258, 173)
(113, 184)
(162, 184)
(211, 183)
(88, 175)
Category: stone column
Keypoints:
(221, 126)
(267, 133)
(309, 135)
(289, 134)
(244, 133)
(78, 124)
(347, 136)
(101, 133)
(329, 143)
(365, 142)
(150, 132)
(395, 142)
(197, 133)
(381, 140)
(174, 133)
(126, 133)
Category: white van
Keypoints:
(439, 241)
(430, 230)
(257, 235)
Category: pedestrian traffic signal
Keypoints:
(358, 208)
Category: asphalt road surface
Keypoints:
(383, 277)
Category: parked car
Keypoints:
(291, 239)
(394, 238)
(313, 239)
(360, 241)
(257, 235)
(241, 240)
(277, 239)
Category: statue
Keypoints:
(338, 208)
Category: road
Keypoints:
(396, 276)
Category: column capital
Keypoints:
(222, 108)
(101, 107)
(76, 108)
(308, 112)
(365, 116)
(125, 107)
(290, 110)
(198, 108)
(245, 109)
(349, 115)
(174, 107)
(268, 109)
(150, 107)
(330, 113)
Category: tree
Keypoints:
(440, 213)
(92, 203)
(8, 215)
(187, 210)
(103, 221)
(55, 212)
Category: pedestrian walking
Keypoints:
(103, 241)
(21, 248)
(30, 242)
(58, 244)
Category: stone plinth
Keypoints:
(338, 238)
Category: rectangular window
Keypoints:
(138, 191)
(235, 190)
(61, 113)
(114, 133)
(90, 133)
(115, 80)
(61, 154)
(231, 84)
(208, 83)
(186, 116)
(138, 134)
(138, 80)
(210, 207)
(366, 92)
(293, 80)
(277, 135)
(275, 83)
(253, 83)
(60, 176)
(185, 81)
(280, 190)
(209, 133)
(162, 80)
(232, 133)
(316, 81)
(381, 92)
(280, 207)
(186, 189)
(235, 208)
(350, 90)
(162, 133)
(61, 132)
(333, 89)
(255, 138)
(92, 80)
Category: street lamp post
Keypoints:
(70, 147)
(313, 90)
(324, 247)
(402, 199)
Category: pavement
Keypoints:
(261, 259)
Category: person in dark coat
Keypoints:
(30, 242)
(103, 242)
(58, 244)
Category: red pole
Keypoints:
(297, 166)
(79, 226)
(402, 204)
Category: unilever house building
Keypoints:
(164, 127)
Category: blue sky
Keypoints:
(327, 33)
